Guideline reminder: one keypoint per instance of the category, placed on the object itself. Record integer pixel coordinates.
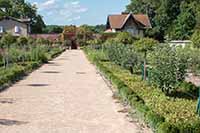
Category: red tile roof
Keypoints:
(118, 21)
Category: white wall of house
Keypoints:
(14, 27)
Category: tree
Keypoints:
(7, 40)
(145, 45)
(83, 34)
(169, 67)
(196, 39)
(53, 29)
(185, 23)
(125, 38)
(175, 19)
(22, 41)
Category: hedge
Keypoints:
(162, 113)
(16, 71)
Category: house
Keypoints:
(132, 23)
(17, 27)
(181, 43)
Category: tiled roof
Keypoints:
(118, 21)
(15, 19)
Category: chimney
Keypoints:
(125, 13)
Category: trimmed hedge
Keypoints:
(15, 71)
(162, 113)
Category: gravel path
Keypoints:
(66, 95)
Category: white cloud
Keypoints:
(61, 11)
(75, 2)
(81, 9)
(46, 5)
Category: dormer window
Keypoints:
(17, 29)
(1, 29)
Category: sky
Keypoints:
(78, 12)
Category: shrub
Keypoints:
(123, 55)
(144, 46)
(107, 36)
(154, 119)
(41, 41)
(125, 38)
(22, 41)
(31, 41)
(7, 40)
(168, 68)
(167, 127)
(179, 113)
(196, 39)
(189, 88)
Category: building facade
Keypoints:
(135, 24)
(16, 27)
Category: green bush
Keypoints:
(22, 41)
(154, 119)
(7, 40)
(145, 98)
(122, 55)
(196, 39)
(189, 88)
(167, 127)
(168, 68)
(125, 38)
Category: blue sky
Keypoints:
(65, 12)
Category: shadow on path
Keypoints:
(6, 101)
(51, 72)
(7, 122)
(38, 85)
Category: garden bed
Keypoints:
(164, 114)
(16, 71)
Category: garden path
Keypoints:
(67, 95)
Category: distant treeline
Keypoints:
(50, 29)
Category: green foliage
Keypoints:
(108, 36)
(145, 44)
(22, 41)
(184, 24)
(49, 29)
(125, 38)
(168, 68)
(7, 40)
(196, 39)
(167, 127)
(154, 119)
(123, 55)
(175, 19)
(178, 114)
(42, 41)
(84, 34)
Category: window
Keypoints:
(17, 29)
(113, 30)
(1, 29)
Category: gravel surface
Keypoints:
(67, 95)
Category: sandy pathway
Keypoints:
(65, 96)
